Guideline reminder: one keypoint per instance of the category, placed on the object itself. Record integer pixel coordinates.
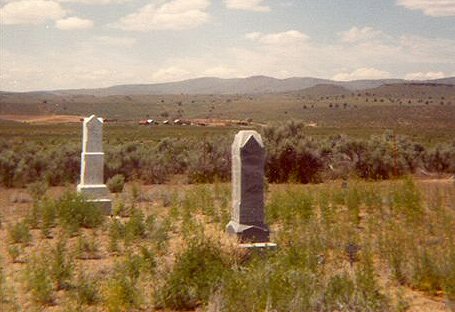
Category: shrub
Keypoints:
(120, 293)
(116, 183)
(87, 249)
(61, 265)
(74, 212)
(135, 227)
(195, 275)
(14, 252)
(37, 190)
(86, 289)
(116, 232)
(48, 216)
(38, 280)
(20, 233)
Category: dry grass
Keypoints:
(183, 212)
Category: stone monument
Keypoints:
(92, 165)
(247, 218)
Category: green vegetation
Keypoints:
(20, 233)
(116, 183)
(292, 156)
(337, 249)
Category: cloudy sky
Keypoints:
(54, 44)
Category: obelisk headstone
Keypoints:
(92, 165)
(247, 219)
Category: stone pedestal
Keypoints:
(92, 165)
(247, 219)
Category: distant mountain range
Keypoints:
(250, 85)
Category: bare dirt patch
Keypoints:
(43, 119)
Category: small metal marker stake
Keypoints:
(247, 217)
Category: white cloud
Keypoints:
(115, 41)
(73, 23)
(283, 38)
(282, 54)
(172, 15)
(31, 12)
(247, 5)
(430, 7)
(95, 2)
(355, 34)
(425, 76)
(362, 73)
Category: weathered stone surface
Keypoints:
(92, 164)
(248, 158)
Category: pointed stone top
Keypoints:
(93, 118)
(244, 136)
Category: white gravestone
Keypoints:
(92, 164)
(248, 159)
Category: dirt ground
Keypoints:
(15, 203)
(43, 119)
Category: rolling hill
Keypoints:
(250, 85)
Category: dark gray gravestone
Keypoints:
(247, 219)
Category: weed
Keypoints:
(339, 292)
(368, 292)
(196, 273)
(427, 274)
(160, 233)
(37, 190)
(135, 227)
(87, 248)
(120, 209)
(61, 265)
(116, 232)
(75, 212)
(14, 252)
(116, 183)
(38, 280)
(121, 293)
(408, 201)
(20, 233)
(86, 289)
(48, 216)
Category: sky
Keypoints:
(65, 44)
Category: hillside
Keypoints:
(250, 85)
(391, 105)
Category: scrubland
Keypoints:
(386, 242)
(373, 246)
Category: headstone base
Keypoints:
(269, 246)
(98, 195)
(248, 233)
(105, 205)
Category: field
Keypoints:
(374, 246)
(389, 106)
(386, 242)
